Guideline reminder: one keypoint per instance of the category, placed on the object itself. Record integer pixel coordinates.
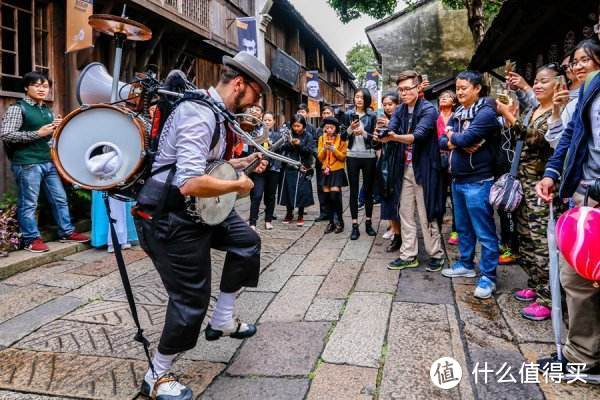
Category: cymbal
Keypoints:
(112, 24)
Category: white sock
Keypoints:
(223, 309)
(162, 364)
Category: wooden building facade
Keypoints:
(290, 33)
(191, 35)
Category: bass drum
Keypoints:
(100, 147)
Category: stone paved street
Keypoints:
(333, 323)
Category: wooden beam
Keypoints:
(152, 47)
(180, 51)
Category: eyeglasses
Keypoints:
(40, 86)
(407, 89)
(582, 61)
(257, 92)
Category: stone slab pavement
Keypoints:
(333, 323)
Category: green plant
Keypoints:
(8, 200)
(360, 59)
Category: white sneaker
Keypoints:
(168, 388)
(125, 246)
(485, 288)
(268, 226)
(389, 234)
(458, 270)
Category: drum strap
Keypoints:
(139, 336)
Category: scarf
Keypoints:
(467, 114)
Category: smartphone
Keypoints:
(561, 83)
(503, 98)
(425, 77)
(509, 67)
(355, 117)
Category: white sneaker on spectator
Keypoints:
(485, 288)
(389, 234)
(125, 246)
(458, 270)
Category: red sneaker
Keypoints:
(37, 245)
(300, 221)
(75, 237)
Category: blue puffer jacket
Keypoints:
(481, 165)
(572, 150)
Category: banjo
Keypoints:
(214, 210)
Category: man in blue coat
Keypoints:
(413, 125)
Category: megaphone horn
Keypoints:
(95, 84)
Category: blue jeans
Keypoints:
(475, 221)
(30, 177)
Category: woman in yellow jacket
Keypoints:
(332, 155)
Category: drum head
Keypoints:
(99, 148)
(214, 210)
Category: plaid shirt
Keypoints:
(12, 122)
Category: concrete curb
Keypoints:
(23, 260)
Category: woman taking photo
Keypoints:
(388, 167)
(265, 184)
(532, 217)
(361, 157)
(332, 157)
(296, 190)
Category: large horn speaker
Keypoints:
(95, 85)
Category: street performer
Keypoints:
(179, 247)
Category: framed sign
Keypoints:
(285, 67)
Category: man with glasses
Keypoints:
(26, 131)
(413, 125)
(179, 247)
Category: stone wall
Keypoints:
(431, 39)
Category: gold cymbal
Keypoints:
(112, 24)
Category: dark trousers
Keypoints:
(354, 167)
(180, 251)
(265, 184)
(320, 194)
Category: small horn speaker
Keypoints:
(95, 85)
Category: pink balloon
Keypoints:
(578, 238)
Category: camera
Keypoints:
(383, 132)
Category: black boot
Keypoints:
(329, 228)
(395, 245)
(369, 228)
(355, 233)
(339, 227)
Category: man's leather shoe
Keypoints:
(236, 329)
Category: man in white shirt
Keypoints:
(179, 247)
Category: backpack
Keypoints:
(164, 110)
(507, 193)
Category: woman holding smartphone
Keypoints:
(532, 217)
(361, 158)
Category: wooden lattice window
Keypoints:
(197, 10)
(25, 32)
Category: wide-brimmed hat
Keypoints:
(250, 66)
